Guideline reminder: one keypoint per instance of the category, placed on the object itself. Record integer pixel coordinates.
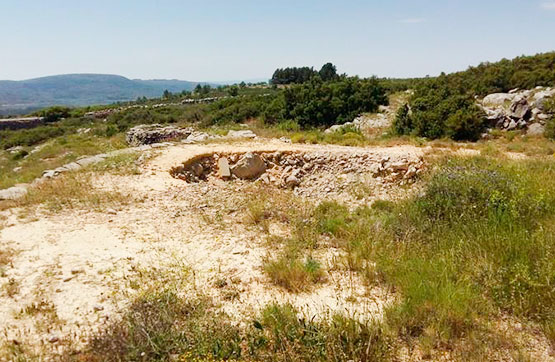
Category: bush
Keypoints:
(439, 108)
(236, 110)
(28, 137)
(322, 104)
(54, 114)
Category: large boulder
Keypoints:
(541, 98)
(535, 129)
(520, 109)
(498, 99)
(155, 133)
(249, 166)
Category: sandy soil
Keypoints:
(82, 266)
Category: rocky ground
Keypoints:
(73, 271)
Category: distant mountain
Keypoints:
(80, 90)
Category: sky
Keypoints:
(221, 40)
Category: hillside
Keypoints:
(80, 90)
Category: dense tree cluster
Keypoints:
(445, 106)
(293, 75)
(318, 103)
(296, 75)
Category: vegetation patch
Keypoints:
(161, 326)
(476, 244)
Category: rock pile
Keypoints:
(518, 109)
(155, 133)
(291, 169)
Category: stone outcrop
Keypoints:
(518, 109)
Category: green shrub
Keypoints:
(54, 114)
(478, 239)
(322, 104)
(441, 108)
(293, 274)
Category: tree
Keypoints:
(242, 84)
(198, 88)
(167, 94)
(54, 114)
(328, 72)
(233, 91)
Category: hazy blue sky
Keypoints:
(241, 39)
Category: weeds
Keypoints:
(294, 274)
(71, 190)
(476, 243)
(161, 326)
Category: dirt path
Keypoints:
(75, 270)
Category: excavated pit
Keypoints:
(307, 173)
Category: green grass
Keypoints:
(294, 274)
(478, 243)
(162, 326)
(52, 154)
(68, 191)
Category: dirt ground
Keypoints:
(75, 270)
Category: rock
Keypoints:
(541, 98)
(13, 193)
(98, 308)
(512, 125)
(285, 139)
(198, 136)
(223, 168)
(334, 128)
(241, 134)
(111, 212)
(197, 169)
(76, 271)
(249, 166)
(155, 133)
(519, 108)
(535, 129)
(72, 166)
(292, 181)
(498, 99)
(265, 179)
(17, 169)
(53, 339)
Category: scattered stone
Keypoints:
(53, 339)
(197, 169)
(292, 182)
(198, 137)
(223, 168)
(98, 308)
(285, 139)
(111, 212)
(241, 134)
